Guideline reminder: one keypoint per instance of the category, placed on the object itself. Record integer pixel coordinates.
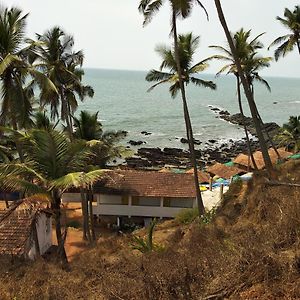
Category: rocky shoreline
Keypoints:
(156, 158)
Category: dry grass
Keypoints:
(250, 251)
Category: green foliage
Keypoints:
(187, 45)
(289, 135)
(146, 244)
(187, 215)
(74, 224)
(103, 144)
(288, 42)
(209, 216)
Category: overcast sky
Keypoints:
(111, 33)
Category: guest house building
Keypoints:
(141, 194)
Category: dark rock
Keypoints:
(146, 133)
(136, 143)
(275, 102)
(185, 141)
(215, 109)
(224, 113)
(212, 141)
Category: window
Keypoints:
(178, 202)
(145, 201)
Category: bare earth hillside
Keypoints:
(250, 250)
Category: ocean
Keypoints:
(123, 103)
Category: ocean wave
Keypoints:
(294, 102)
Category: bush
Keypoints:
(187, 216)
(74, 224)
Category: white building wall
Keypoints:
(44, 232)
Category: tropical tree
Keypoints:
(187, 45)
(104, 144)
(247, 88)
(179, 9)
(287, 42)
(52, 165)
(251, 63)
(18, 77)
(289, 134)
(55, 57)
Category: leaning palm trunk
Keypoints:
(266, 132)
(244, 122)
(189, 130)
(247, 90)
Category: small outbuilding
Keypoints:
(25, 230)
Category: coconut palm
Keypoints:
(104, 144)
(16, 74)
(244, 48)
(179, 9)
(52, 165)
(289, 135)
(287, 42)
(187, 45)
(247, 89)
(55, 57)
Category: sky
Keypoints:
(112, 36)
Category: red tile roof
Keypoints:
(15, 226)
(224, 171)
(151, 184)
(243, 159)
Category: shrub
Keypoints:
(74, 224)
(187, 216)
(146, 244)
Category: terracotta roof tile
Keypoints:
(151, 184)
(224, 171)
(15, 226)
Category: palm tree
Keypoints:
(289, 135)
(104, 144)
(187, 45)
(52, 165)
(180, 9)
(16, 72)
(55, 57)
(243, 48)
(289, 41)
(247, 89)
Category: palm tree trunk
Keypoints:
(244, 122)
(189, 129)
(84, 216)
(263, 128)
(65, 113)
(60, 240)
(247, 90)
(298, 45)
(92, 225)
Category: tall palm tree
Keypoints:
(16, 74)
(287, 42)
(187, 45)
(251, 63)
(247, 89)
(179, 9)
(55, 57)
(52, 165)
